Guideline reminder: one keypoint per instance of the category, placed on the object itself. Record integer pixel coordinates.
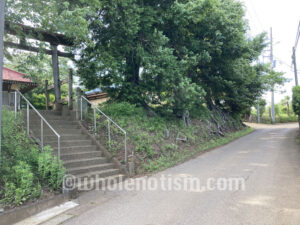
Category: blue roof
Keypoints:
(94, 91)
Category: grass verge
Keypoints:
(177, 158)
(156, 141)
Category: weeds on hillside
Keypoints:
(157, 142)
(25, 171)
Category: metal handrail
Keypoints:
(109, 120)
(43, 120)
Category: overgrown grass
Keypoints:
(282, 118)
(25, 171)
(178, 157)
(157, 142)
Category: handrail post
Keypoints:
(58, 147)
(109, 120)
(42, 134)
(15, 104)
(108, 125)
(27, 118)
(95, 123)
(43, 120)
(125, 148)
(81, 108)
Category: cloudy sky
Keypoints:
(283, 16)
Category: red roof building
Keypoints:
(13, 80)
(11, 76)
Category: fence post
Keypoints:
(42, 134)
(125, 148)
(70, 81)
(27, 118)
(108, 125)
(95, 122)
(58, 147)
(47, 94)
(16, 104)
(78, 107)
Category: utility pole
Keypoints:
(295, 65)
(294, 54)
(272, 66)
(258, 113)
(2, 6)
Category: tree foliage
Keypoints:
(180, 52)
(296, 100)
(163, 54)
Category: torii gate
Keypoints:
(54, 39)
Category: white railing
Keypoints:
(17, 106)
(109, 122)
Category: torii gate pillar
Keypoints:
(55, 69)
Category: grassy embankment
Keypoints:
(158, 142)
(26, 172)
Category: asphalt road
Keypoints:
(268, 160)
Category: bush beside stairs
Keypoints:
(81, 156)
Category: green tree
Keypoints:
(211, 35)
(66, 17)
(296, 101)
(148, 52)
(285, 104)
(131, 58)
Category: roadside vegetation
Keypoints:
(156, 142)
(26, 172)
(284, 112)
(296, 102)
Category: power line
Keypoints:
(256, 15)
(297, 36)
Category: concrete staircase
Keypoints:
(80, 155)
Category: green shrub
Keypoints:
(15, 144)
(296, 100)
(39, 100)
(116, 109)
(50, 169)
(20, 185)
(24, 169)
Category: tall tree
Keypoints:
(131, 56)
(211, 34)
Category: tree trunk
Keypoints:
(130, 91)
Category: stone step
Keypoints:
(98, 174)
(35, 126)
(53, 122)
(80, 155)
(100, 182)
(35, 116)
(70, 149)
(49, 112)
(87, 169)
(84, 162)
(42, 112)
(66, 137)
(37, 131)
(70, 143)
